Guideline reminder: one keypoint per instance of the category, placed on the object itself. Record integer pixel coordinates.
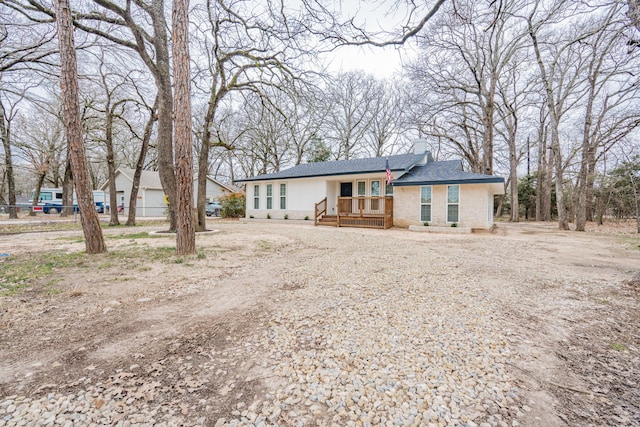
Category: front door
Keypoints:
(346, 190)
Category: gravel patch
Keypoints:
(375, 342)
(365, 328)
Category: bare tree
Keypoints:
(5, 134)
(512, 97)
(139, 166)
(24, 51)
(141, 27)
(342, 30)
(387, 122)
(111, 109)
(94, 240)
(560, 74)
(610, 111)
(247, 51)
(303, 115)
(41, 146)
(267, 136)
(465, 55)
(350, 107)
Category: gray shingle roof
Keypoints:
(445, 172)
(401, 162)
(148, 179)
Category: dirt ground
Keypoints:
(570, 301)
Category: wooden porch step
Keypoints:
(330, 220)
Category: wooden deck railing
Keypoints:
(321, 209)
(372, 212)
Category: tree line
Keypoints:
(542, 92)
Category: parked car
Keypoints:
(213, 208)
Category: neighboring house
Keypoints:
(355, 193)
(151, 197)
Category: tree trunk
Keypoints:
(636, 202)
(36, 193)
(203, 159)
(94, 240)
(513, 164)
(203, 166)
(185, 233)
(166, 169)
(487, 134)
(513, 177)
(555, 137)
(583, 175)
(560, 203)
(135, 185)
(5, 134)
(591, 180)
(67, 190)
(543, 181)
(111, 164)
(500, 206)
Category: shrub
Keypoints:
(232, 205)
(268, 216)
(454, 225)
(306, 218)
(286, 216)
(426, 223)
(250, 216)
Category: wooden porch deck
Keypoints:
(362, 212)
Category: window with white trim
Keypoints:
(362, 188)
(453, 203)
(283, 196)
(269, 196)
(375, 188)
(256, 197)
(425, 203)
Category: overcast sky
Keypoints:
(380, 17)
(381, 62)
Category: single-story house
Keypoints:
(151, 196)
(356, 193)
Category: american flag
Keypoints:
(388, 172)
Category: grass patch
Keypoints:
(72, 239)
(617, 347)
(154, 223)
(264, 245)
(49, 269)
(53, 291)
(39, 227)
(43, 225)
(140, 235)
(633, 242)
(15, 274)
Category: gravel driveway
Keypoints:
(365, 328)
